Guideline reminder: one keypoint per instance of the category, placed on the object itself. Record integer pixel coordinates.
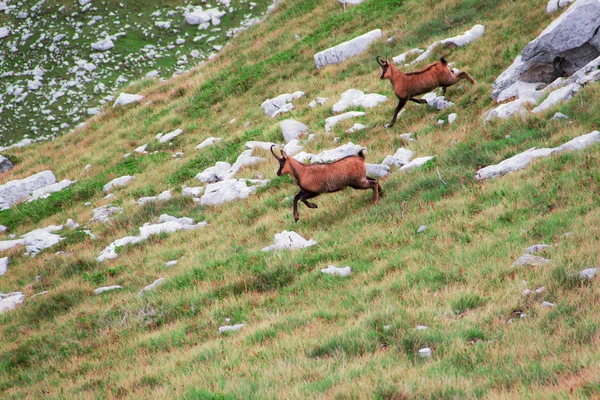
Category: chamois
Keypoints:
(316, 179)
(410, 84)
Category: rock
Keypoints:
(522, 160)
(164, 196)
(35, 241)
(441, 122)
(528, 259)
(521, 90)
(289, 240)
(554, 5)
(333, 121)
(526, 292)
(425, 352)
(103, 214)
(417, 162)
(557, 96)
(171, 263)
(387, 327)
(167, 137)
(421, 328)
(319, 101)
(546, 304)
(152, 286)
(198, 16)
(590, 72)
(229, 190)
(4, 32)
(292, 148)
(468, 37)
(3, 265)
(536, 248)
(292, 129)
(253, 144)
(71, 224)
(229, 328)
(103, 289)
(349, 149)
(565, 46)
(49, 189)
(280, 104)
(377, 170)
(400, 59)
(5, 164)
(192, 191)
(452, 118)
(356, 128)
(208, 142)
(10, 301)
(103, 45)
(353, 2)
(422, 228)
(435, 101)
(407, 137)
(351, 48)
(587, 273)
(400, 158)
(541, 290)
(117, 182)
(163, 24)
(216, 173)
(152, 74)
(125, 98)
(356, 98)
(333, 270)
(559, 116)
(3, 228)
(509, 109)
(21, 189)
(141, 149)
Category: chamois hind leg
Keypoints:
(401, 103)
(309, 195)
(368, 184)
(460, 76)
(296, 198)
(379, 188)
(420, 101)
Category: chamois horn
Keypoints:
(272, 152)
(381, 63)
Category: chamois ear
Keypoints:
(283, 154)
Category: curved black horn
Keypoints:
(272, 152)
(378, 58)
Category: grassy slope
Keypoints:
(310, 335)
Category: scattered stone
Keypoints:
(435, 101)
(559, 116)
(10, 301)
(192, 191)
(506, 110)
(351, 48)
(21, 189)
(441, 122)
(5, 164)
(349, 149)
(400, 59)
(171, 263)
(46, 191)
(117, 182)
(229, 190)
(407, 137)
(546, 304)
(208, 142)
(35, 241)
(422, 228)
(333, 270)
(152, 286)
(333, 121)
(536, 248)
(164, 196)
(229, 328)
(167, 137)
(387, 327)
(541, 290)
(3, 265)
(528, 259)
(377, 170)
(357, 98)
(400, 158)
(356, 128)
(199, 16)
(558, 96)
(125, 98)
(417, 162)
(452, 118)
(587, 273)
(319, 101)
(141, 149)
(569, 234)
(104, 213)
(292, 129)
(526, 292)
(289, 240)
(292, 148)
(522, 160)
(280, 104)
(103, 45)
(554, 5)
(460, 40)
(103, 289)
(4, 32)
(425, 352)
(3, 228)
(71, 224)
(421, 328)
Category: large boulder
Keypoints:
(5, 164)
(356, 98)
(342, 51)
(564, 47)
(21, 189)
(280, 104)
(292, 129)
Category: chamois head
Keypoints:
(385, 73)
(284, 165)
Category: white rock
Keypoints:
(400, 59)
(319, 101)
(167, 137)
(557, 96)
(192, 191)
(554, 5)
(152, 286)
(333, 121)
(4, 32)
(417, 162)
(522, 160)
(198, 16)
(559, 116)
(452, 118)
(425, 352)
(21, 189)
(422, 228)
(5, 164)
(506, 110)
(356, 128)
(208, 142)
(152, 74)
(289, 240)
(526, 292)
(48, 190)
(141, 149)
(10, 301)
(407, 137)
(377, 170)
(333, 270)
(103, 45)
(253, 144)
(71, 224)
(353, 2)
(421, 328)
(125, 98)
(292, 129)
(536, 248)
(103, 289)
(351, 48)
(3, 265)
(292, 148)
(171, 263)
(348, 149)
(117, 182)
(546, 304)
(356, 98)
(164, 196)
(229, 190)
(400, 158)
(229, 328)
(528, 259)
(435, 101)
(163, 24)
(521, 90)
(588, 273)
(468, 37)
(541, 290)
(216, 173)
(103, 214)
(280, 104)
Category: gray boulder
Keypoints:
(5, 164)
(18, 190)
(351, 48)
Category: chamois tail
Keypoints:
(443, 60)
(362, 153)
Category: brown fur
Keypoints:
(408, 85)
(316, 179)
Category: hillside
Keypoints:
(307, 334)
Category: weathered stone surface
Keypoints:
(49, 189)
(342, 51)
(18, 190)
(208, 142)
(292, 129)
(557, 96)
(104, 289)
(348, 149)
(253, 144)
(459, 40)
(559, 116)
(292, 148)
(528, 259)
(289, 240)
(229, 190)
(192, 191)
(377, 170)
(435, 101)
(417, 162)
(425, 352)
(333, 121)
(547, 304)
(3, 265)
(125, 98)
(229, 328)
(422, 229)
(5, 164)
(536, 248)
(280, 104)
(400, 158)
(103, 45)
(357, 98)
(554, 5)
(167, 137)
(506, 110)
(356, 128)
(152, 286)
(400, 59)
(10, 301)
(117, 182)
(452, 118)
(104, 213)
(333, 270)
(200, 16)
(588, 273)
(319, 101)
(164, 196)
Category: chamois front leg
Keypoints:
(296, 198)
(401, 103)
(420, 101)
(309, 195)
